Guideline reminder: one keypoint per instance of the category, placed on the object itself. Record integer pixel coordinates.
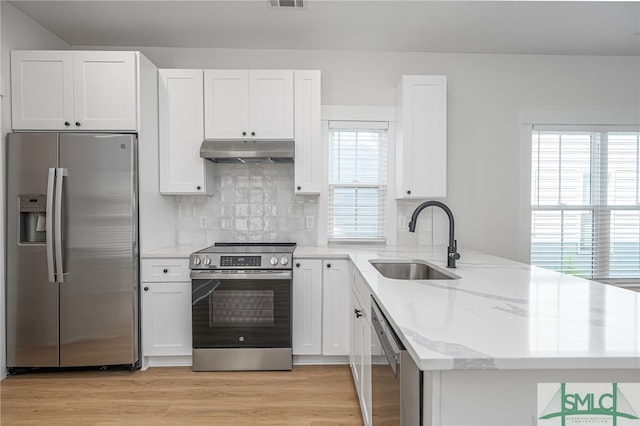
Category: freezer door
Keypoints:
(98, 296)
(32, 300)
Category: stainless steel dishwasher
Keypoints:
(396, 381)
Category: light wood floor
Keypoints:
(308, 395)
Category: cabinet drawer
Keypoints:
(174, 270)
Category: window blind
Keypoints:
(585, 202)
(357, 181)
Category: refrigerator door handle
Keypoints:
(49, 226)
(60, 173)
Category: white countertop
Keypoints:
(500, 315)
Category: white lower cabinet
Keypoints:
(360, 353)
(321, 294)
(307, 307)
(336, 293)
(166, 312)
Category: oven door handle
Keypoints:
(224, 276)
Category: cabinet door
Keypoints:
(422, 137)
(42, 90)
(336, 288)
(271, 104)
(226, 104)
(105, 90)
(360, 355)
(355, 349)
(308, 150)
(166, 319)
(307, 307)
(365, 396)
(180, 98)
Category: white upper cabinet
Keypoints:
(41, 89)
(248, 104)
(180, 98)
(74, 90)
(421, 142)
(308, 147)
(105, 90)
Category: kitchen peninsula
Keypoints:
(485, 341)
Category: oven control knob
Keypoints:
(196, 260)
(207, 261)
(284, 260)
(274, 261)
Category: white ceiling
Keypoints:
(531, 27)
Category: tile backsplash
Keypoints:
(250, 203)
(432, 227)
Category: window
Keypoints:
(357, 181)
(585, 217)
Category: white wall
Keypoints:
(17, 32)
(485, 96)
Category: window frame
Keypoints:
(382, 187)
(366, 114)
(621, 120)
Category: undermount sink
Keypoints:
(411, 271)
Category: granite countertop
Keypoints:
(500, 314)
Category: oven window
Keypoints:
(241, 308)
(239, 313)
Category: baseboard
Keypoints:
(320, 360)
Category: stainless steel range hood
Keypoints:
(251, 151)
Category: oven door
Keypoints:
(241, 309)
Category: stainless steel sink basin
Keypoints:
(411, 271)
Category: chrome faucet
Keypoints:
(452, 250)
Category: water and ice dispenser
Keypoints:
(33, 218)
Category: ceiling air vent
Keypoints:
(286, 4)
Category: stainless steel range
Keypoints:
(241, 306)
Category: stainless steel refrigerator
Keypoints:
(72, 250)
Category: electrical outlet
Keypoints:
(310, 222)
(203, 221)
(402, 222)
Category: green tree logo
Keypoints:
(565, 404)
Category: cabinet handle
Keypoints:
(244, 133)
(66, 123)
(328, 265)
(299, 188)
(297, 265)
(165, 270)
(253, 133)
(198, 187)
(409, 192)
(358, 313)
(146, 289)
(77, 123)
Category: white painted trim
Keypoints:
(586, 117)
(166, 361)
(358, 113)
(391, 224)
(349, 125)
(320, 360)
(524, 239)
(324, 185)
